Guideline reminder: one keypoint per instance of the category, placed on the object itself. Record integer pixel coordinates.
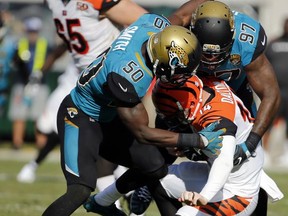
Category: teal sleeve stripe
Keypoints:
(71, 149)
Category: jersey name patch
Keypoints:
(125, 38)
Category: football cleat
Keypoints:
(27, 173)
(91, 206)
(140, 200)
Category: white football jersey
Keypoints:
(79, 25)
(86, 36)
(216, 180)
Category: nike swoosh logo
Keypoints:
(264, 41)
(239, 160)
(123, 89)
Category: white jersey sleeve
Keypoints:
(221, 168)
(80, 26)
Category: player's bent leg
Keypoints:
(52, 141)
(92, 206)
(166, 205)
(262, 205)
(28, 173)
(133, 178)
(106, 176)
(74, 197)
(142, 197)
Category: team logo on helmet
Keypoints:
(177, 56)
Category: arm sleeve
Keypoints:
(220, 168)
(261, 43)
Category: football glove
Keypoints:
(241, 154)
(246, 149)
(213, 142)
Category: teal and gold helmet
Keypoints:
(175, 53)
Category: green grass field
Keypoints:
(31, 199)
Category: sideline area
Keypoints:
(26, 153)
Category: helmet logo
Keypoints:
(177, 56)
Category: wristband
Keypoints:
(188, 140)
(252, 141)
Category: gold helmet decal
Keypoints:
(177, 56)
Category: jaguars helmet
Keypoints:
(213, 24)
(178, 104)
(174, 53)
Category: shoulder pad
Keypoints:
(122, 90)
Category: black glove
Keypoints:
(246, 149)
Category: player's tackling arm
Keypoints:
(134, 115)
(136, 119)
(258, 72)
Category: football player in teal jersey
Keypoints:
(233, 46)
(104, 114)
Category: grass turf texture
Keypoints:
(32, 199)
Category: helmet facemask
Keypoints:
(175, 77)
(177, 122)
(213, 56)
(179, 106)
